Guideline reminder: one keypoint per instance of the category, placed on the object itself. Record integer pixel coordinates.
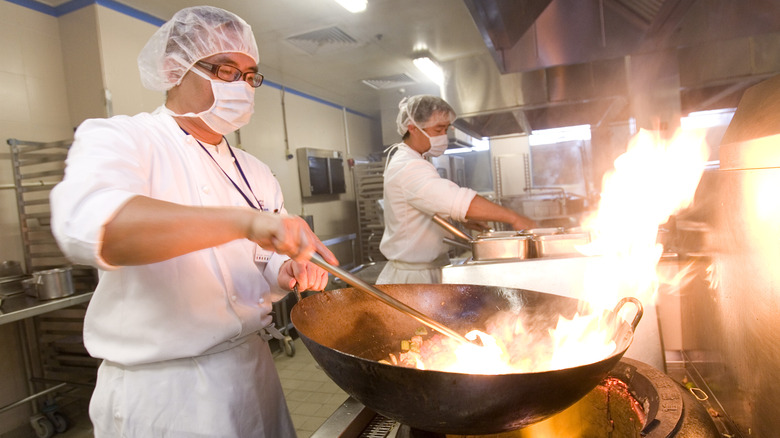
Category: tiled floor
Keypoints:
(311, 395)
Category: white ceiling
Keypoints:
(386, 35)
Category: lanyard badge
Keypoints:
(259, 205)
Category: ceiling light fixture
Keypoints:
(426, 64)
(353, 6)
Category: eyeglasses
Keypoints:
(228, 73)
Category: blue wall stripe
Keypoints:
(74, 5)
(127, 10)
(314, 98)
(70, 6)
(35, 6)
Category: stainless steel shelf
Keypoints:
(23, 306)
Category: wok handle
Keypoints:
(639, 310)
(456, 243)
(297, 292)
(444, 223)
(387, 299)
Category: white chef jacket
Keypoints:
(413, 192)
(201, 303)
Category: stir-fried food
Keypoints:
(411, 353)
(510, 344)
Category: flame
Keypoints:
(515, 343)
(651, 181)
(580, 340)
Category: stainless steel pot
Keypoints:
(494, 245)
(50, 284)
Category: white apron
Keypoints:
(232, 393)
(397, 272)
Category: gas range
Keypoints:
(634, 400)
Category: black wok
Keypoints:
(347, 331)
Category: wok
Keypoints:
(347, 331)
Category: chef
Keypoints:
(414, 191)
(188, 234)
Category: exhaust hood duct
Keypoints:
(524, 35)
(490, 104)
(554, 63)
(503, 22)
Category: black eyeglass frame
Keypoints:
(216, 68)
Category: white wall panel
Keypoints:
(82, 63)
(121, 40)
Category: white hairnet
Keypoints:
(419, 109)
(189, 36)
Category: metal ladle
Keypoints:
(387, 299)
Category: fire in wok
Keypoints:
(348, 332)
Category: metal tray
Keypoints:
(501, 248)
(559, 245)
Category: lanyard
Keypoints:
(240, 171)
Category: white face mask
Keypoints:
(234, 103)
(439, 143)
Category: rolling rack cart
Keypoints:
(57, 366)
(369, 184)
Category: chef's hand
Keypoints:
(477, 226)
(307, 275)
(523, 223)
(288, 235)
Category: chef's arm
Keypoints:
(483, 210)
(147, 230)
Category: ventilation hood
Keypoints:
(553, 63)
(491, 104)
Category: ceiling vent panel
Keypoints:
(646, 10)
(323, 41)
(391, 81)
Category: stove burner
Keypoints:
(609, 410)
(379, 427)
(635, 400)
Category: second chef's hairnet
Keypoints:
(418, 110)
(190, 35)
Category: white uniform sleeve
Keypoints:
(105, 168)
(264, 182)
(425, 190)
(274, 265)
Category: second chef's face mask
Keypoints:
(234, 103)
(439, 143)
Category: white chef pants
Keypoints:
(233, 393)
